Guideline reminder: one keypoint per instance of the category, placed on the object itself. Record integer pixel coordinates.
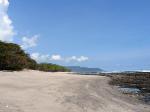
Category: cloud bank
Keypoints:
(29, 42)
(78, 59)
(56, 57)
(6, 27)
(40, 58)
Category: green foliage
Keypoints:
(52, 67)
(12, 57)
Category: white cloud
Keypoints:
(35, 56)
(78, 59)
(40, 58)
(29, 42)
(82, 58)
(56, 57)
(6, 28)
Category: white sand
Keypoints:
(34, 91)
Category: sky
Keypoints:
(108, 34)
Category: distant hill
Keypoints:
(84, 69)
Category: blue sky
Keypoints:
(109, 34)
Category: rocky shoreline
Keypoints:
(133, 84)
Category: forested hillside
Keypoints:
(12, 57)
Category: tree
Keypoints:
(12, 57)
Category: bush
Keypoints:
(52, 67)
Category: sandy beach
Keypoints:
(35, 91)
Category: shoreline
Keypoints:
(30, 91)
(137, 84)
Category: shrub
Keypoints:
(52, 67)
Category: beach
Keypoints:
(36, 91)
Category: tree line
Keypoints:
(12, 57)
